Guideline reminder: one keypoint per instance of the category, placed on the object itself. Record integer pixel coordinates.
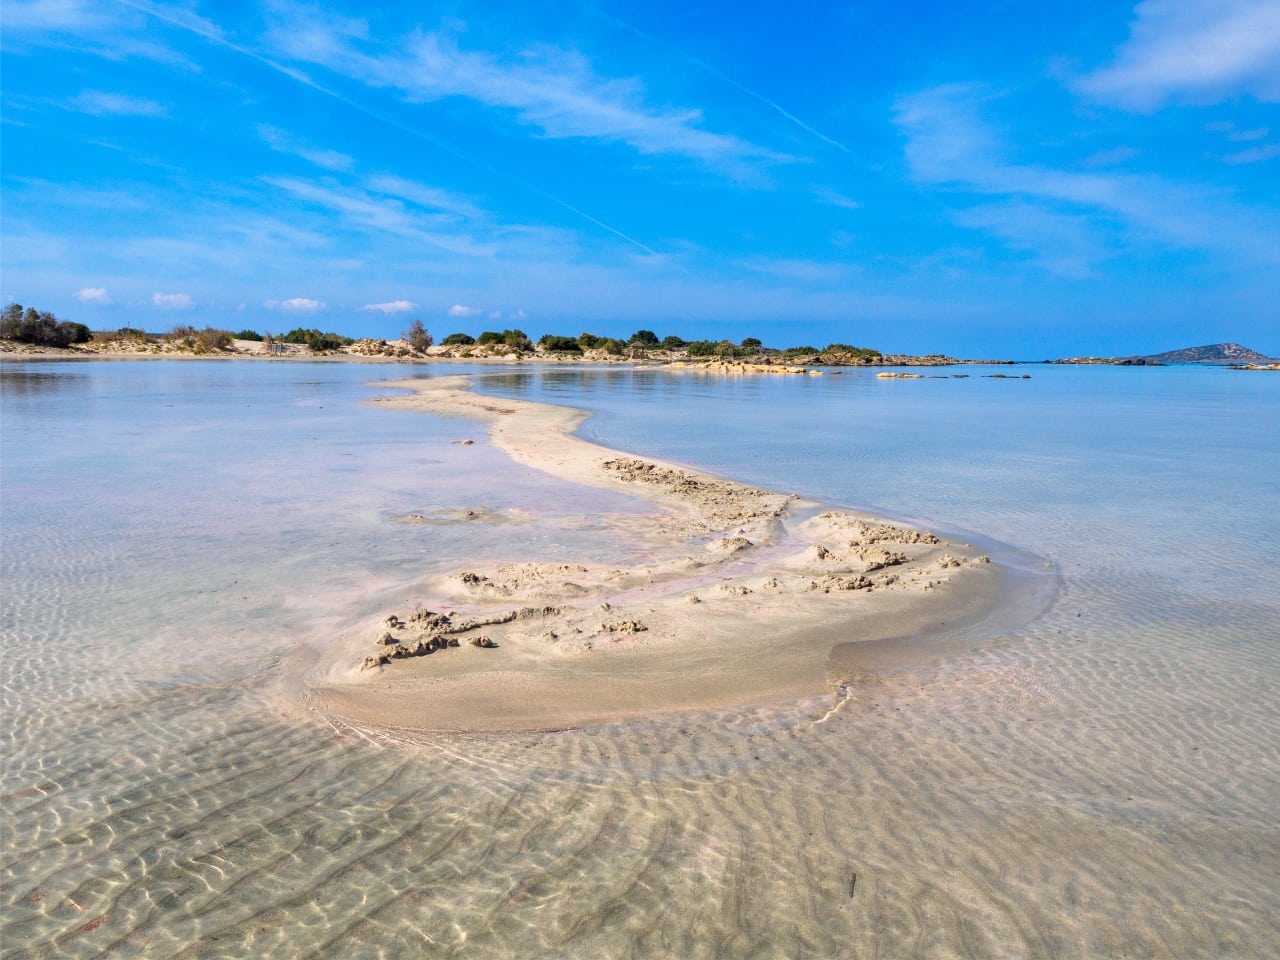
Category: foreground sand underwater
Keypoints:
(1099, 779)
(744, 596)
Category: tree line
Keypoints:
(44, 329)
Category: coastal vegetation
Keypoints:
(315, 340)
(516, 339)
(418, 337)
(31, 327)
(40, 329)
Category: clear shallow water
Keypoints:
(1104, 780)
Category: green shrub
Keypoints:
(41, 329)
(589, 341)
(210, 339)
(318, 342)
(673, 343)
(845, 349)
(418, 337)
(131, 333)
(752, 345)
(249, 335)
(645, 338)
(615, 348)
(516, 339)
(798, 351)
(458, 340)
(559, 344)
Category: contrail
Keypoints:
(721, 75)
(300, 77)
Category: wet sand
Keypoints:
(741, 597)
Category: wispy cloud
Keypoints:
(1254, 154)
(102, 103)
(1060, 243)
(801, 271)
(54, 15)
(1196, 50)
(97, 295)
(296, 305)
(285, 142)
(948, 144)
(460, 310)
(835, 199)
(382, 214)
(392, 306)
(421, 195)
(553, 89)
(172, 301)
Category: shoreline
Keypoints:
(745, 596)
(398, 351)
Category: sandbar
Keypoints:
(742, 596)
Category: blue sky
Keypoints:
(988, 179)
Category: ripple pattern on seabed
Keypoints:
(194, 823)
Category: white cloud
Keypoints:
(392, 306)
(836, 199)
(803, 271)
(1201, 51)
(296, 305)
(93, 295)
(55, 15)
(948, 144)
(172, 301)
(495, 315)
(101, 103)
(553, 89)
(1254, 154)
(1060, 243)
(424, 196)
(284, 142)
(381, 214)
(458, 310)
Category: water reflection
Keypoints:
(28, 382)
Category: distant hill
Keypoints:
(1212, 353)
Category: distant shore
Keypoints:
(743, 596)
(399, 351)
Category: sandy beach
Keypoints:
(741, 596)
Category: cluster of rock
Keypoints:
(722, 502)
(861, 531)
(431, 631)
(742, 367)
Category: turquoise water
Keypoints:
(1103, 780)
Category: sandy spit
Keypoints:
(746, 600)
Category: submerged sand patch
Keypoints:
(741, 597)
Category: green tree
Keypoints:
(645, 338)
(556, 344)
